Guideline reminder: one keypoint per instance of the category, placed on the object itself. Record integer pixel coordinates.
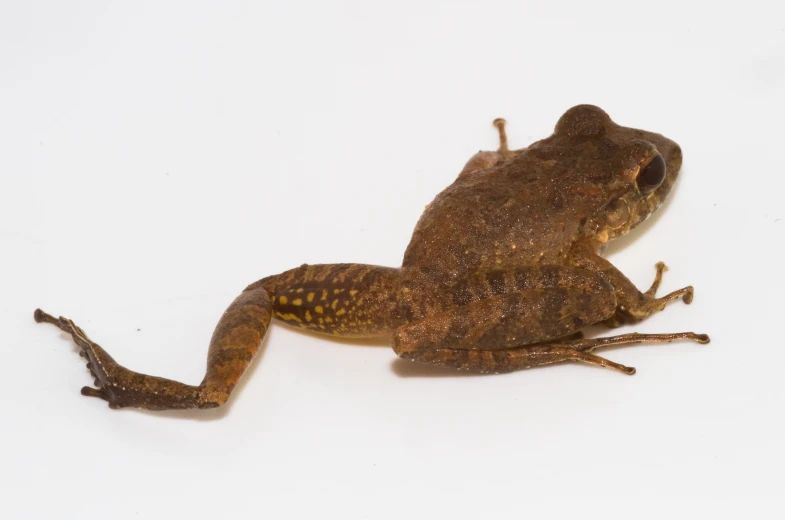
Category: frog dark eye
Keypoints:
(652, 175)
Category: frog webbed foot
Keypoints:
(117, 385)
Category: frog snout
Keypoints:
(675, 158)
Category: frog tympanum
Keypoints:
(502, 273)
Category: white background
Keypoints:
(156, 157)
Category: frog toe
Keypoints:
(689, 294)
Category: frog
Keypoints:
(504, 272)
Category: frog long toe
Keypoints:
(121, 387)
(97, 359)
(103, 383)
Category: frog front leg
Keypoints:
(633, 305)
(514, 319)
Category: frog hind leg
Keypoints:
(487, 335)
(496, 329)
(361, 303)
(416, 343)
(235, 342)
(585, 346)
(348, 300)
(518, 358)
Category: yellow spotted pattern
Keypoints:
(341, 299)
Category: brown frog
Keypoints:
(502, 272)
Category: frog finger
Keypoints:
(632, 304)
(661, 268)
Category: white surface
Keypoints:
(155, 159)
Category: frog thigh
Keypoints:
(340, 299)
(507, 320)
(350, 300)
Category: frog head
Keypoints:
(638, 168)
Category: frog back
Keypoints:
(519, 213)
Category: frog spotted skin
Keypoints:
(502, 272)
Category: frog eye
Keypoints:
(651, 175)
